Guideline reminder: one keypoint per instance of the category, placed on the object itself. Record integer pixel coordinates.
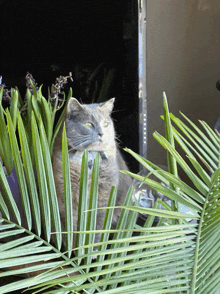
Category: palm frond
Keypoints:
(205, 196)
(176, 256)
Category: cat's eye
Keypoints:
(88, 124)
(106, 124)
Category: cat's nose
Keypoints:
(100, 133)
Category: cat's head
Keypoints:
(89, 126)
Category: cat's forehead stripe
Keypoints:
(93, 112)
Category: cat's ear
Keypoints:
(108, 105)
(74, 105)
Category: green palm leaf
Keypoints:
(54, 209)
(19, 172)
(5, 148)
(42, 182)
(205, 276)
(30, 178)
(175, 256)
(27, 252)
(67, 194)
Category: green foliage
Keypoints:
(175, 256)
(5, 148)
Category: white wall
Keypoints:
(183, 56)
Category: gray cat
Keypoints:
(89, 126)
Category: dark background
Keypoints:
(51, 38)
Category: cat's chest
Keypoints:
(76, 160)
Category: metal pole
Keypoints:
(142, 56)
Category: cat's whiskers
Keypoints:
(118, 141)
(71, 150)
(80, 143)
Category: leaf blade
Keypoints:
(41, 177)
(54, 208)
(19, 172)
(67, 193)
(29, 172)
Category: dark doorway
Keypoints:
(95, 40)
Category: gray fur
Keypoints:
(97, 137)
